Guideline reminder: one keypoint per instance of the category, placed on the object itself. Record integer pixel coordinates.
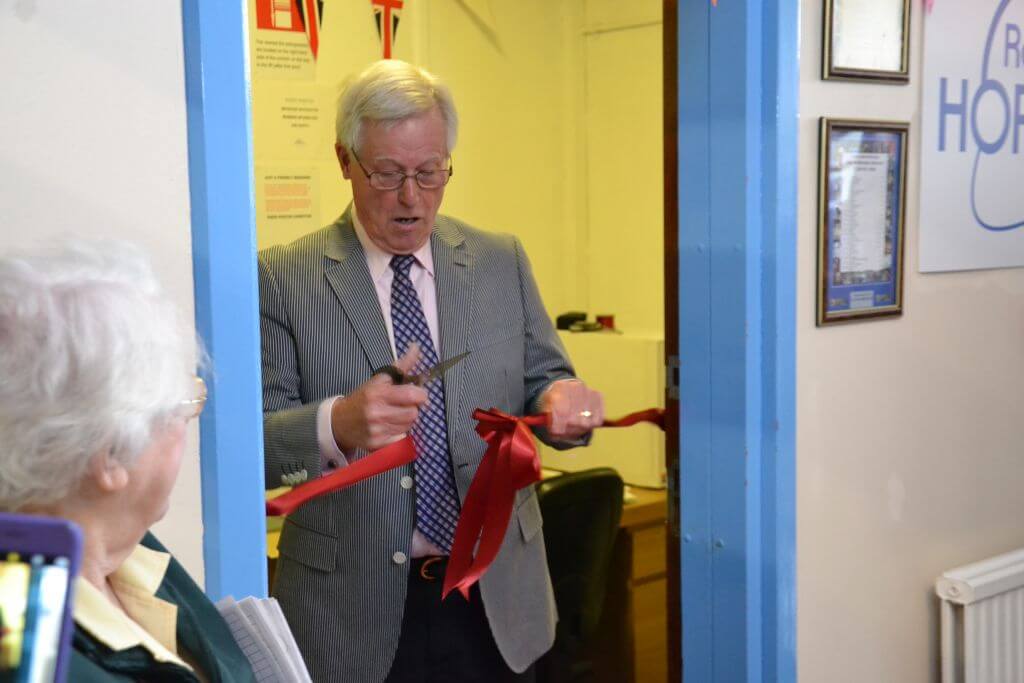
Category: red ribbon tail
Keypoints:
(654, 416)
(509, 464)
(469, 526)
(500, 498)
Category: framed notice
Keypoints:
(861, 205)
(866, 40)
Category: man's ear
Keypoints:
(107, 474)
(344, 159)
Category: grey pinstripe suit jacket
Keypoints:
(323, 334)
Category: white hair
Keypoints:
(390, 91)
(94, 358)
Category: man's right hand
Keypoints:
(378, 412)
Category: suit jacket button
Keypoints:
(399, 557)
(406, 482)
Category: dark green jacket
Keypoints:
(202, 633)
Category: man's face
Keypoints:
(398, 221)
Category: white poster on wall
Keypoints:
(972, 136)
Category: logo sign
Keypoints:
(972, 136)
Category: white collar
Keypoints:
(379, 261)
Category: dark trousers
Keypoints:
(448, 641)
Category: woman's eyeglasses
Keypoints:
(191, 407)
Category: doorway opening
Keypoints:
(566, 140)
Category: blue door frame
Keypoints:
(738, 76)
(227, 308)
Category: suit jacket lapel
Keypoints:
(453, 269)
(346, 272)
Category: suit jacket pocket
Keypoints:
(530, 521)
(311, 548)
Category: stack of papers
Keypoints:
(262, 633)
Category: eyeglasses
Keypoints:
(190, 408)
(392, 180)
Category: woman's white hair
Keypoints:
(390, 91)
(94, 358)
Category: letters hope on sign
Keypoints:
(972, 136)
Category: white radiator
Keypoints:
(983, 621)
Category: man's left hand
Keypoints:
(575, 409)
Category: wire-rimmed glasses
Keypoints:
(393, 180)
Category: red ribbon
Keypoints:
(655, 416)
(381, 460)
(509, 464)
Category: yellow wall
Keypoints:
(622, 116)
(617, 119)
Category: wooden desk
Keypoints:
(632, 641)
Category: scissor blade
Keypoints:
(441, 368)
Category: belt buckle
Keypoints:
(424, 573)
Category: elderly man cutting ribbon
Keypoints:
(510, 464)
(392, 282)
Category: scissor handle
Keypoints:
(391, 371)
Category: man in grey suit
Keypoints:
(360, 571)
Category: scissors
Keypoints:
(422, 378)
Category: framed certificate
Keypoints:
(861, 206)
(866, 40)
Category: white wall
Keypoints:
(93, 144)
(909, 430)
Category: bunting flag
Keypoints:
(387, 13)
(314, 10)
(294, 16)
(278, 15)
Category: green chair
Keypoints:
(581, 512)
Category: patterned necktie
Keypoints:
(437, 502)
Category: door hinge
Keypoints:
(672, 378)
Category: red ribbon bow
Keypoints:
(509, 464)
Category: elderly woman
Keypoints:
(98, 384)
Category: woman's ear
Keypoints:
(108, 474)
